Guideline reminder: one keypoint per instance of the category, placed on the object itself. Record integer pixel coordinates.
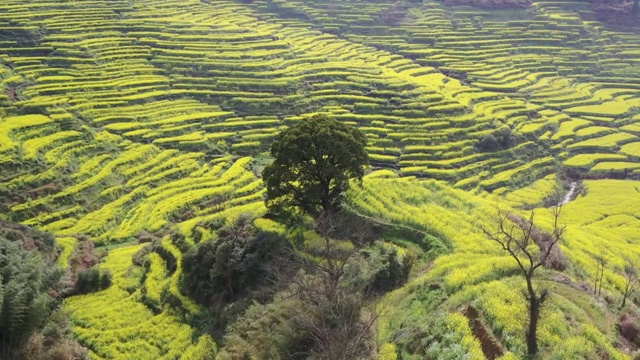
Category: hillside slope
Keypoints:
(144, 120)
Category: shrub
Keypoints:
(266, 332)
(500, 139)
(54, 341)
(488, 143)
(93, 279)
(391, 269)
(221, 270)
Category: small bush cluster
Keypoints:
(500, 139)
(93, 279)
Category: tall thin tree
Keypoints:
(631, 280)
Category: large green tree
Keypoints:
(314, 161)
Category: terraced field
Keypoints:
(125, 121)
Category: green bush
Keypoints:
(390, 270)
(500, 139)
(93, 279)
(222, 270)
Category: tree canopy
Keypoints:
(314, 161)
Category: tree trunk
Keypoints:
(326, 202)
(230, 283)
(326, 196)
(534, 315)
(532, 332)
(600, 278)
(600, 283)
(624, 295)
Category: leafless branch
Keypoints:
(516, 236)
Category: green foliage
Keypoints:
(452, 339)
(500, 139)
(390, 269)
(93, 279)
(54, 341)
(416, 332)
(223, 269)
(323, 312)
(314, 161)
(27, 275)
(266, 332)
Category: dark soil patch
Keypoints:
(460, 76)
(583, 174)
(84, 257)
(629, 328)
(582, 286)
(490, 346)
(44, 190)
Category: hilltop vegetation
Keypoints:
(31, 288)
(136, 133)
(624, 12)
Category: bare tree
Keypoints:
(339, 330)
(335, 302)
(631, 280)
(514, 235)
(601, 265)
